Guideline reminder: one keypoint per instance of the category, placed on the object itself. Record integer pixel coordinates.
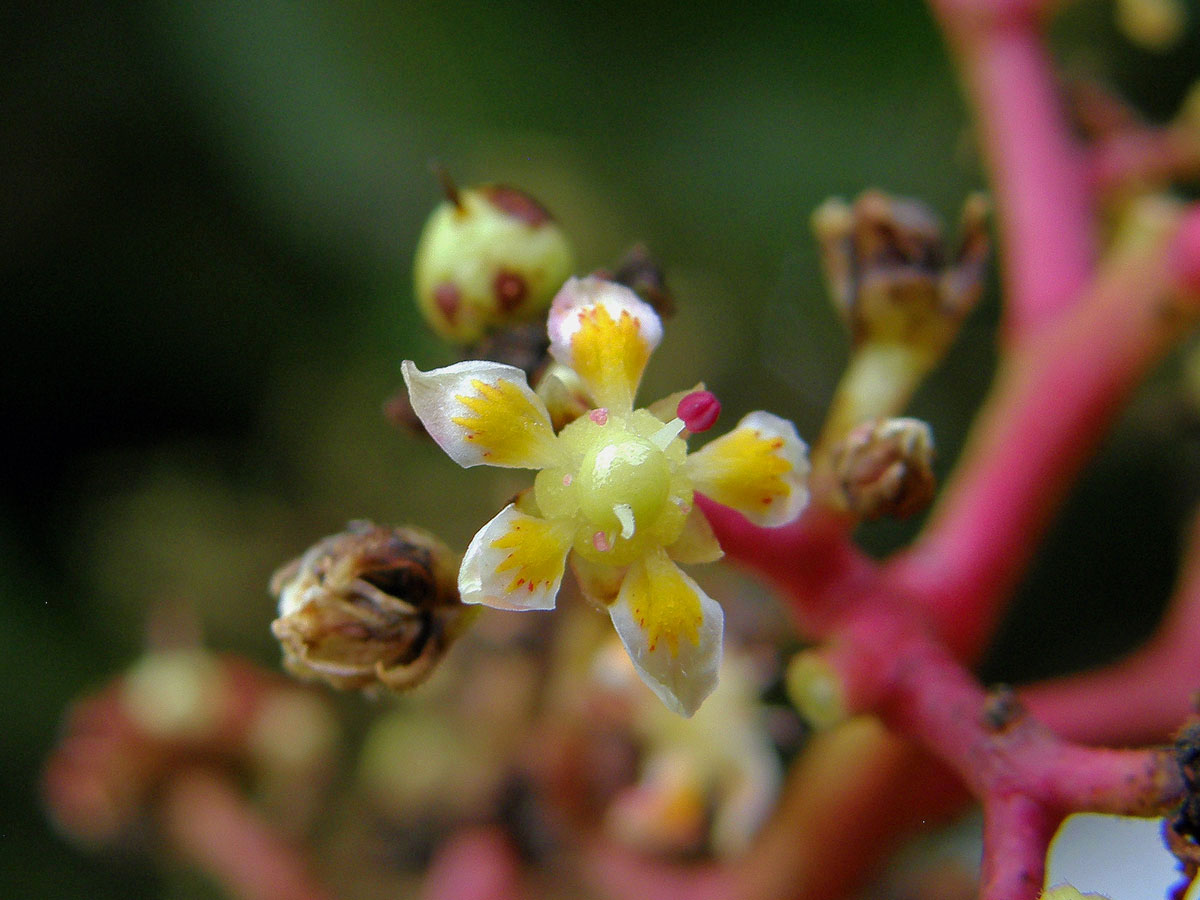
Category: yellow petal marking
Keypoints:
(539, 554)
(742, 469)
(663, 604)
(609, 354)
(508, 428)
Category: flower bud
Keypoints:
(889, 272)
(488, 257)
(816, 690)
(883, 468)
(1152, 24)
(372, 605)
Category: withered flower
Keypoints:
(369, 606)
(890, 274)
(882, 468)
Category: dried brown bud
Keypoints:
(891, 277)
(372, 605)
(883, 468)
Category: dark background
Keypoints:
(206, 231)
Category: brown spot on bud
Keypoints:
(448, 299)
(510, 289)
(517, 204)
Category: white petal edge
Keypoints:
(434, 394)
(580, 293)
(795, 451)
(683, 680)
(480, 582)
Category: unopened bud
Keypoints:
(563, 392)
(369, 606)
(489, 257)
(883, 468)
(891, 277)
(1152, 24)
(175, 694)
(815, 690)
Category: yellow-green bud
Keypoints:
(815, 690)
(1152, 24)
(489, 257)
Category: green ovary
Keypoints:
(613, 465)
(628, 474)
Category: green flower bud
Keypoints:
(489, 257)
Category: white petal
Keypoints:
(515, 561)
(760, 468)
(672, 631)
(605, 333)
(482, 413)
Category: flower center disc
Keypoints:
(630, 472)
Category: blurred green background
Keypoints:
(208, 218)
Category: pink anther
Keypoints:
(600, 542)
(599, 416)
(699, 411)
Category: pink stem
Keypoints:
(1054, 399)
(476, 864)
(212, 826)
(1016, 836)
(811, 561)
(1145, 156)
(1036, 165)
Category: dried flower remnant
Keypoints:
(900, 293)
(615, 487)
(891, 278)
(370, 606)
(489, 257)
(883, 468)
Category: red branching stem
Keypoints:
(476, 864)
(811, 560)
(1143, 157)
(1055, 397)
(1036, 165)
(922, 692)
(1027, 777)
(209, 823)
(1071, 778)
(1016, 834)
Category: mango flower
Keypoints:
(614, 491)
